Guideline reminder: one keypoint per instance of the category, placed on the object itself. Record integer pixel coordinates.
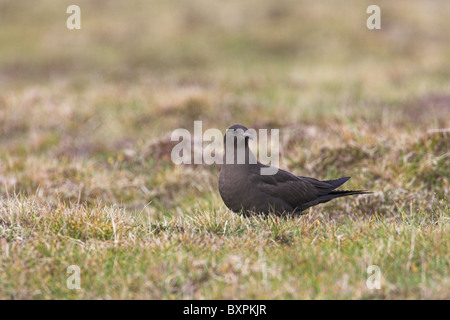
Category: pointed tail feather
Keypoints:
(338, 182)
(342, 193)
(330, 196)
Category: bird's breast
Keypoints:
(234, 188)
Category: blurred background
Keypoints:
(75, 104)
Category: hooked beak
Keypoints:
(248, 135)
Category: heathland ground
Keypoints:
(86, 177)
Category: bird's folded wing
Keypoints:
(290, 188)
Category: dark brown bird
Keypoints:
(244, 189)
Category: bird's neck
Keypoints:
(239, 156)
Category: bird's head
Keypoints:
(238, 132)
(236, 145)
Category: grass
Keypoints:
(217, 254)
(86, 177)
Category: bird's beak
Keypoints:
(248, 135)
